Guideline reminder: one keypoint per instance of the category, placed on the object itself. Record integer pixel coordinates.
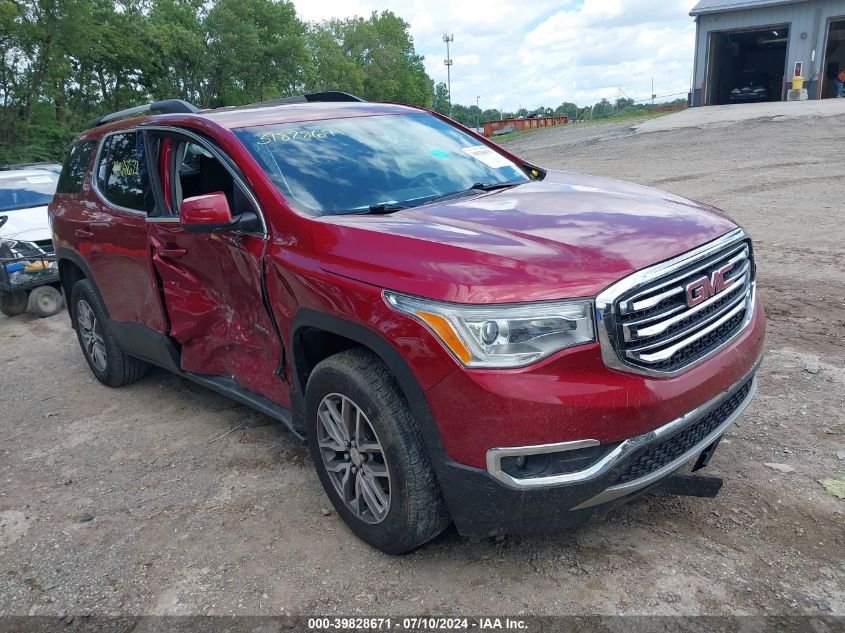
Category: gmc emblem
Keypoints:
(702, 289)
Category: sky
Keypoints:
(542, 52)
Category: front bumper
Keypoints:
(485, 503)
(574, 397)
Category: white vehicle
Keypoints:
(24, 196)
(29, 279)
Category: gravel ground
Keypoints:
(118, 502)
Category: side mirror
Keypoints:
(204, 214)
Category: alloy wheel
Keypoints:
(92, 338)
(353, 457)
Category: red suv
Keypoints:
(459, 335)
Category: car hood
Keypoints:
(570, 235)
(27, 225)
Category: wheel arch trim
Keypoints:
(376, 343)
(66, 254)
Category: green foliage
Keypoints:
(567, 109)
(66, 61)
(256, 51)
(441, 102)
(373, 58)
(604, 110)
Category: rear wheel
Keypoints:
(13, 303)
(108, 362)
(369, 454)
(45, 301)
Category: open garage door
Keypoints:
(747, 66)
(834, 57)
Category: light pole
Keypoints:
(448, 63)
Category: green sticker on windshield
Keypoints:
(439, 153)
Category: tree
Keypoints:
(374, 56)
(66, 61)
(177, 63)
(603, 109)
(330, 68)
(257, 51)
(441, 102)
(567, 109)
(491, 115)
(623, 103)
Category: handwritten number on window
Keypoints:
(265, 138)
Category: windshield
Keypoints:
(352, 165)
(24, 192)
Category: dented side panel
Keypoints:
(213, 294)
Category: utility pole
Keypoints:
(478, 116)
(448, 63)
(653, 95)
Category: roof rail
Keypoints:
(332, 96)
(178, 106)
(167, 106)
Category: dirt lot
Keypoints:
(117, 501)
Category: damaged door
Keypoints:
(212, 282)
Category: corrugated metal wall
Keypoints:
(808, 28)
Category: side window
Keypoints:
(75, 167)
(200, 173)
(122, 175)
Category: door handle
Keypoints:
(171, 253)
(83, 234)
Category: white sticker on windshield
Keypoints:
(487, 156)
(38, 180)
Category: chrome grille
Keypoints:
(666, 318)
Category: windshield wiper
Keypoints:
(492, 186)
(385, 208)
(478, 186)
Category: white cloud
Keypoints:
(543, 52)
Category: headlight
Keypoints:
(505, 335)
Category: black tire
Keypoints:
(13, 303)
(416, 511)
(45, 301)
(119, 368)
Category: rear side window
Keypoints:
(122, 175)
(75, 167)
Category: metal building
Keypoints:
(750, 49)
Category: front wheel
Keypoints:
(369, 454)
